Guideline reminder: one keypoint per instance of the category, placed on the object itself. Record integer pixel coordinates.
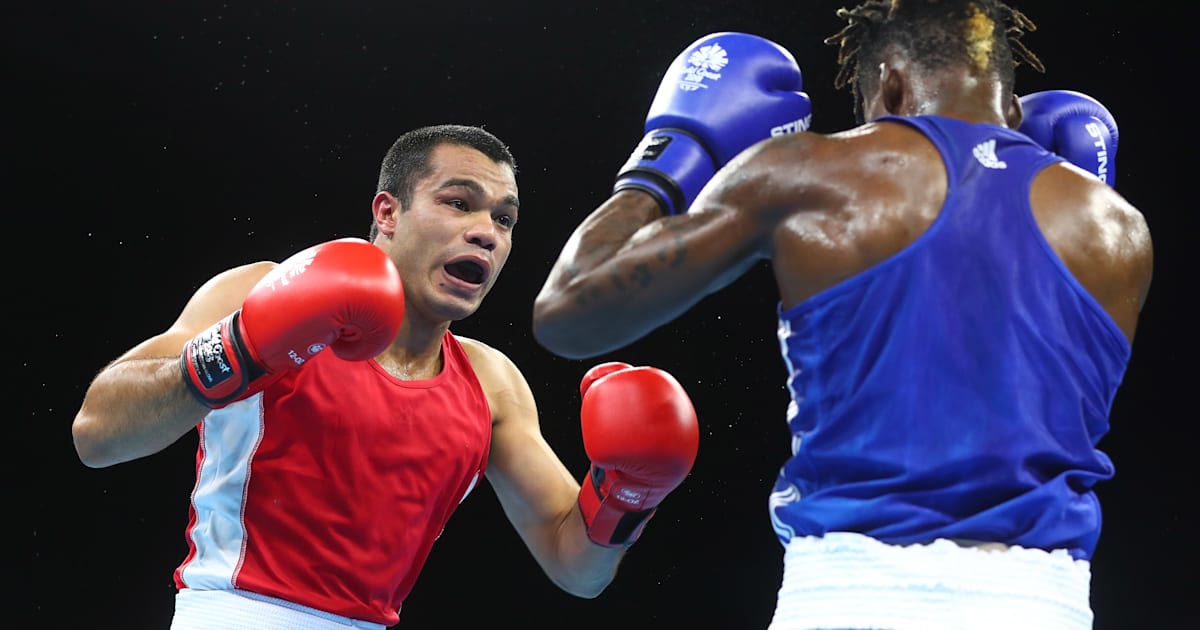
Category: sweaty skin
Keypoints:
(821, 208)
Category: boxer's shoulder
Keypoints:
(494, 369)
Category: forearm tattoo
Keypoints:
(670, 253)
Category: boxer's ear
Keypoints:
(384, 208)
(896, 90)
(1014, 115)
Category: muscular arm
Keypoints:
(536, 491)
(819, 207)
(1102, 239)
(627, 270)
(138, 404)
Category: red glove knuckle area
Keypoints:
(641, 432)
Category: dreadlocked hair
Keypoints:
(983, 34)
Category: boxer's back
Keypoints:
(866, 195)
(947, 341)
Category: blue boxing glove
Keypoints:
(723, 93)
(1074, 126)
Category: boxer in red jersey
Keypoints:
(340, 421)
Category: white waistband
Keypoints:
(243, 610)
(846, 580)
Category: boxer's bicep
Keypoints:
(533, 486)
(138, 403)
(216, 298)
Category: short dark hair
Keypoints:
(407, 161)
(983, 35)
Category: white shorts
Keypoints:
(851, 581)
(243, 610)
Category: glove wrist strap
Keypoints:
(611, 521)
(670, 164)
(215, 364)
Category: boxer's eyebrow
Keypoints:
(473, 186)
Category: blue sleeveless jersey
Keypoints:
(959, 388)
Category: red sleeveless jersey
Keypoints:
(329, 488)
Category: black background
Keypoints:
(150, 145)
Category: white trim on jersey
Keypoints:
(233, 433)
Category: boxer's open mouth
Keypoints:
(467, 271)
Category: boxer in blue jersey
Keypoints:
(957, 305)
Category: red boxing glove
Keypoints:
(597, 372)
(344, 294)
(641, 433)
